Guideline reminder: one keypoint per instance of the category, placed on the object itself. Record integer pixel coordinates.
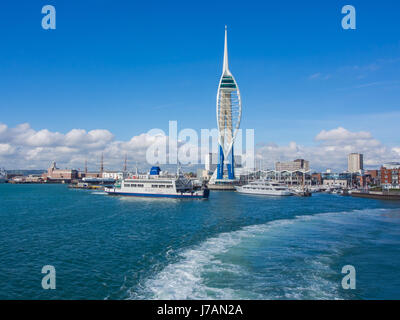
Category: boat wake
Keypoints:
(282, 259)
(99, 192)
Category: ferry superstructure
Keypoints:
(159, 185)
(265, 187)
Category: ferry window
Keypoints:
(169, 186)
(133, 185)
(154, 185)
(140, 185)
(161, 186)
(126, 185)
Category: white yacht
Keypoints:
(3, 175)
(265, 187)
(157, 184)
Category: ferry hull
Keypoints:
(265, 193)
(204, 195)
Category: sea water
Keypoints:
(231, 246)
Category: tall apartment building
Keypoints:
(355, 162)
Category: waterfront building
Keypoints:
(316, 178)
(355, 162)
(337, 176)
(342, 183)
(391, 165)
(296, 165)
(229, 112)
(116, 175)
(297, 177)
(33, 178)
(55, 174)
(390, 176)
(90, 175)
(203, 175)
(372, 177)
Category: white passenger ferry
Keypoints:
(265, 188)
(157, 184)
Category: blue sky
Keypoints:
(130, 66)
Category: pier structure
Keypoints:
(289, 177)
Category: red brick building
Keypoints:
(316, 178)
(372, 177)
(54, 174)
(390, 176)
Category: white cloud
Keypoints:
(332, 150)
(342, 134)
(6, 149)
(93, 139)
(23, 147)
(44, 138)
(396, 150)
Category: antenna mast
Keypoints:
(102, 164)
(125, 164)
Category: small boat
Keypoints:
(345, 192)
(315, 189)
(265, 187)
(159, 185)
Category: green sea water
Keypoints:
(231, 246)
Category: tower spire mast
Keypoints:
(225, 68)
(125, 164)
(102, 164)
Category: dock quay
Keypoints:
(380, 195)
(91, 183)
(85, 186)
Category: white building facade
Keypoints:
(355, 162)
(116, 175)
(296, 165)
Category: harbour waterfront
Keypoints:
(233, 246)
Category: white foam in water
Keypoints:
(185, 279)
(182, 280)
